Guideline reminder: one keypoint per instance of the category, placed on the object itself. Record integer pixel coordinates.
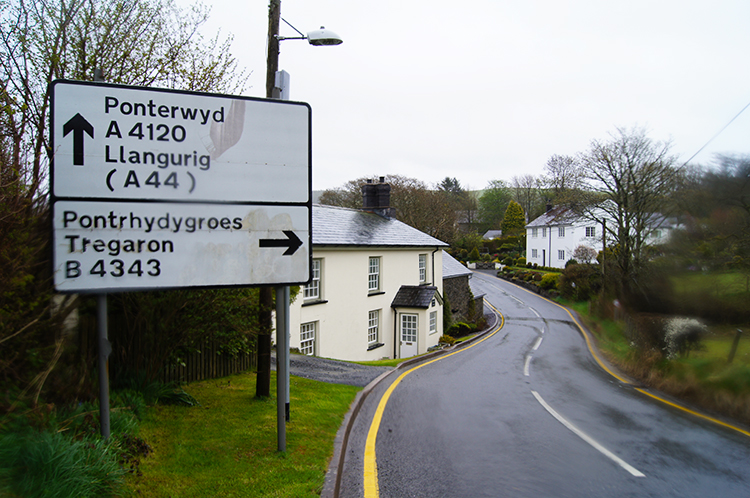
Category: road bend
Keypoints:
(529, 412)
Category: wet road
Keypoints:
(527, 412)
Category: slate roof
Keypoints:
(414, 296)
(560, 215)
(453, 268)
(335, 226)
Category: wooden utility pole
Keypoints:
(265, 294)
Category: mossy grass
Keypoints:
(227, 446)
(705, 378)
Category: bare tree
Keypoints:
(431, 211)
(526, 193)
(139, 42)
(564, 177)
(629, 179)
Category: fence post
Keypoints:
(735, 343)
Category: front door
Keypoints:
(409, 332)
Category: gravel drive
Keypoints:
(334, 372)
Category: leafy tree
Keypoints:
(461, 200)
(451, 185)
(139, 42)
(629, 179)
(514, 220)
(493, 203)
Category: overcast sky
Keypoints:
(490, 89)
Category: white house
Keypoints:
(552, 238)
(376, 290)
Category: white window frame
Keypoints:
(433, 322)
(534, 253)
(561, 232)
(534, 232)
(373, 327)
(312, 290)
(561, 254)
(410, 323)
(544, 232)
(307, 337)
(373, 274)
(422, 268)
(590, 231)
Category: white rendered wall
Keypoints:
(342, 316)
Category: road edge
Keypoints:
(614, 371)
(332, 484)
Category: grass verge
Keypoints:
(704, 378)
(227, 446)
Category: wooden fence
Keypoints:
(134, 352)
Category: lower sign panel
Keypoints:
(111, 246)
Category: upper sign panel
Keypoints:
(130, 143)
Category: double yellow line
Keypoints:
(371, 488)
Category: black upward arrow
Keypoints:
(291, 242)
(78, 125)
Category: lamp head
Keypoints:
(323, 36)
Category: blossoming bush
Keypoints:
(682, 335)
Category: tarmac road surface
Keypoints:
(528, 412)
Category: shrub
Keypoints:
(508, 261)
(682, 335)
(580, 282)
(460, 329)
(549, 281)
(446, 339)
(473, 255)
(570, 262)
(521, 261)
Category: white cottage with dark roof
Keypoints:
(377, 285)
(552, 238)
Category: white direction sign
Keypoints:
(118, 142)
(166, 189)
(128, 246)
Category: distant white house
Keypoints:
(492, 234)
(552, 238)
(377, 285)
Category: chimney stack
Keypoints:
(376, 198)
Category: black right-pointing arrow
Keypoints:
(78, 125)
(292, 242)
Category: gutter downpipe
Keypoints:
(432, 277)
(395, 333)
(549, 244)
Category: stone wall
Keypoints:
(459, 296)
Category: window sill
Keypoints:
(375, 346)
(312, 303)
(375, 293)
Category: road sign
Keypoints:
(118, 142)
(165, 189)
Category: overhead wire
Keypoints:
(717, 134)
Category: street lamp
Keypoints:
(321, 37)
